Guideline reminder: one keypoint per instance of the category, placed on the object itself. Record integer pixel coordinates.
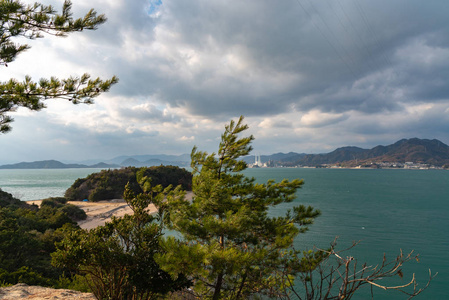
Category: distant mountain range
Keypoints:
(152, 160)
(54, 164)
(117, 162)
(122, 160)
(418, 151)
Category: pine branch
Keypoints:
(29, 94)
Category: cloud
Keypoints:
(185, 138)
(146, 112)
(309, 76)
(316, 119)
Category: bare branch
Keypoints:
(340, 277)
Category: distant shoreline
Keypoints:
(54, 164)
(348, 168)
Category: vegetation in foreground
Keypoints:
(117, 259)
(226, 245)
(28, 233)
(27, 237)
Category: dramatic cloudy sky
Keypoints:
(308, 75)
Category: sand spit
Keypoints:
(98, 213)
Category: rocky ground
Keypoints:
(23, 291)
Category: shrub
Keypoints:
(74, 212)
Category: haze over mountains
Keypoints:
(422, 151)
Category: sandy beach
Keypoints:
(98, 213)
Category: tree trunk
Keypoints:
(218, 287)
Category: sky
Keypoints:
(308, 75)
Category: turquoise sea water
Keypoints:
(387, 210)
(39, 184)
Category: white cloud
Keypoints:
(315, 118)
(185, 138)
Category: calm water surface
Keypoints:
(387, 210)
(36, 184)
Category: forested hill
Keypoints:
(110, 184)
(432, 152)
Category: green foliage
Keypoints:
(117, 259)
(167, 175)
(230, 246)
(64, 210)
(18, 20)
(55, 201)
(27, 237)
(75, 282)
(104, 185)
(7, 200)
(52, 217)
(30, 21)
(4, 283)
(110, 184)
(75, 192)
(74, 212)
(25, 274)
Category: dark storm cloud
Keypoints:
(266, 58)
(325, 49)
(334, 56)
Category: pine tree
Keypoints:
(229, 244)
(117, 259)
(31, 21)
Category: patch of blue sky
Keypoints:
(154, 6)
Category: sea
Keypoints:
(385, 211)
